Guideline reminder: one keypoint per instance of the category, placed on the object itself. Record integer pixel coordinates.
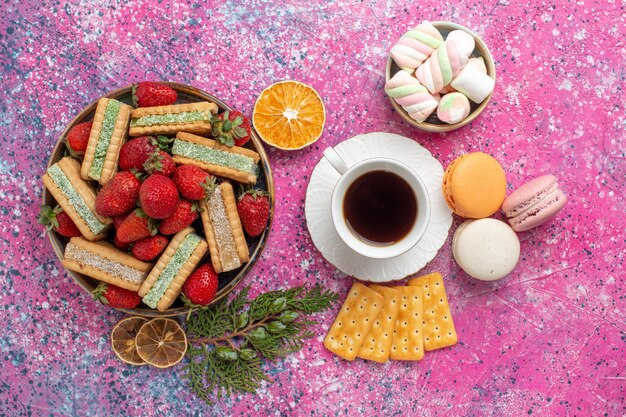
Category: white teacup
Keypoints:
(348, 175)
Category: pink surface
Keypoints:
(550, 339)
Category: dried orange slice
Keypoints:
(289, 115)
(161, 342)
(123, 339)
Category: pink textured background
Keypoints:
(548, 340)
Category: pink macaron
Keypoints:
(534, 203)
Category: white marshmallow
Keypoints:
(479, 63)
(464, 41)
(472, 82)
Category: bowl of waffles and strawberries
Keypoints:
(158, 198)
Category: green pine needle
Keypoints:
(230, 341)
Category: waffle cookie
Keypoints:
(222, 227)
(236, 163)
(76, 197)
(169, 120)
(182, 255)
(104, 262)
(108, 134)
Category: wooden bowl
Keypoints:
(227, 280)
(432, 123)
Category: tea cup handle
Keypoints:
(335, 160)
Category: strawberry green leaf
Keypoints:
(141, 176)
(69, 151)
(189, 304)
(240, 132)
(140, 213)
(99, 292)
(227, 140)
(48, 217)
(153, 226)
(153, 163)
(134, 95)
(209, 185)
(255, 192)
(163, 142)
(196, 207)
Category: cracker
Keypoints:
(118, 137)
(377, 344)
(439, 331)
(354, 321)
(202, 127)
(235, 228)
(408, 340)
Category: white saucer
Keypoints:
(320, 225)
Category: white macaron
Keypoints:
(486, 249)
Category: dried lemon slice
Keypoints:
(289, 115)
(161, 342)
(123, 339)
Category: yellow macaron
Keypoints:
(474, 185)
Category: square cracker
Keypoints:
(439, 329)
(354, 321)
(377, 343)
(408, 337)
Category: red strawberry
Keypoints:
(201, 286)
(231, 128)
(136, 152)
(119, 195)
(78, 136)
(58, 220)
(185, 214)
(160, 162)
(150, 93)
(117, 220)
(115, 296)
(192, 182)
(158, 196)
(254, 211)
(121, 245)
(150, 247)
(136, 226)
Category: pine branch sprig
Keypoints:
(236, 337)
(194, 372)
(314, 300)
